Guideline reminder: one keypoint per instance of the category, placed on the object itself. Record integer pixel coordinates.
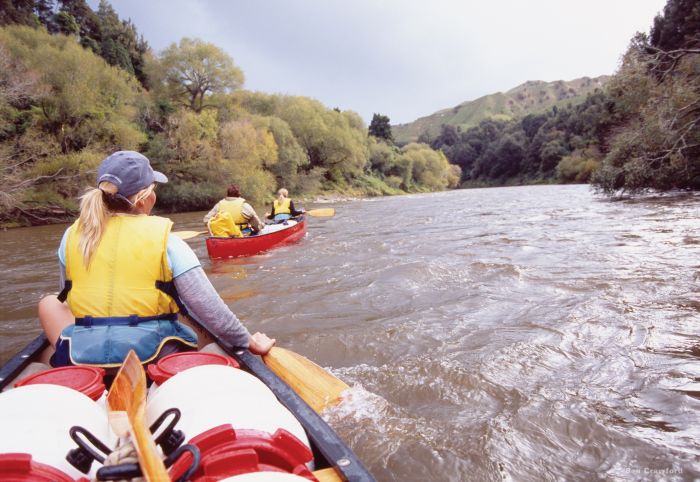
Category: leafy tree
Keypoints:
(678, 27)
(291, 157)
(52, 142)
(657, 95)
(17, 12)
(334, 141)
(380, 127)
(194, 70)
(65, 23)
(44, 10)
(89, 25)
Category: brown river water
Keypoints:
(524, 334)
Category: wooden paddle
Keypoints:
(315, 385)
(126, 403)
(188, 234)
(321, 213)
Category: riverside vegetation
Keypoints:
(78, 84)
(639, 131)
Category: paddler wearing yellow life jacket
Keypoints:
(125, 277)
(283, 207)
(233, 216)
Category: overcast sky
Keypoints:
(401, 58)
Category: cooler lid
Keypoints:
(88, 380)
(19, 467)
(175, 363)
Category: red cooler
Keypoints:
(177, 362)
(85, 379)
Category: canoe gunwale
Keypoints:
(15, 365)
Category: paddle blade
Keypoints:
(128, 394)
(316, 386)
(321, 213)
(188, 234)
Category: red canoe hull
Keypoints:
(220, 248)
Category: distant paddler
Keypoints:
(283, 207)
(233, 216)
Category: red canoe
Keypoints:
(220, 248)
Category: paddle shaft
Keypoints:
(128, 396)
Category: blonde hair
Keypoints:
(282, 193)
(97, 205)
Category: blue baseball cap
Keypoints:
(130, 171)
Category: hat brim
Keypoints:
(160, 177)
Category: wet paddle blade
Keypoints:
(128, 395)
(315, 385)
(188, 234)
(321, 213)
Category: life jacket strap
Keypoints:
(63, 295)
(168, 287)
(132, 320)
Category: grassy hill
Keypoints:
(531, 97)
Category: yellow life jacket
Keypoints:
(126, 268)
(222, 226)
(235, 208)
(282, 207)
(125, 300)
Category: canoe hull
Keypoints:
(222, 248)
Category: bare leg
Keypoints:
(54, 317)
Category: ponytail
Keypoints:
(96, 207)
(94, 214)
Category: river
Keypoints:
(524, 333)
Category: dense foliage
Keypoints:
(76, 85)
(641, 132)
(61, 109)
(380, 127)
(115, 40)
(533, 148)
(657, 94)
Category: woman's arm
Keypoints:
(293, 210)
(207, 308)
(204, 303)
(211, 213)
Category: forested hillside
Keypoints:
(78, 84)
(641, 131)
(532, 97)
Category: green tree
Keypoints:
(89, 25)
(657, 144)
(17, 12)
(53, 142)
(65, 23)
(678, 27)
(195, 70)
(380, 127)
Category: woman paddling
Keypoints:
(125, 277)
(283, 207)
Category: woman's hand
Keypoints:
(260, 343)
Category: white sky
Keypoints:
(400, 58)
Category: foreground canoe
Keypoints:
(332, 459)
(272, 236)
